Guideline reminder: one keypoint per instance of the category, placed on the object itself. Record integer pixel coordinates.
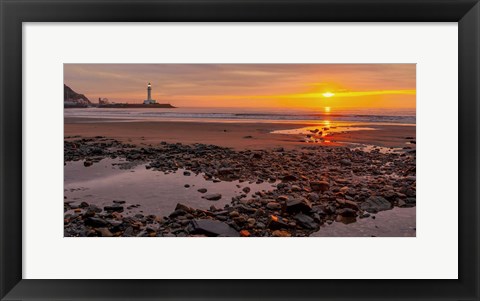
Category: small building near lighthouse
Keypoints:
(149, 100)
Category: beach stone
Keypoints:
(375, 204)
(183, 207)
(274, 206)
(411, 200)
(305, 221)
(114, 208)
(281, 233)
(312, 196)
(246, 189)
(346, 162)
(202, 190)
(289, 178)
(245, 233)
(95, 222)
(187, 173)
(212, 228)
(276, 222)
(298, 205)
(213, 197)
(104, 232)
(87, 163)
(347, 212)
(320, 186)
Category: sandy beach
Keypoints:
(234, 135)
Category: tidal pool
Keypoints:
(396, 222)
(155, 191)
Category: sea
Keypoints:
(377, 116)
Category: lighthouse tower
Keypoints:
(149, 99)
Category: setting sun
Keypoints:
(328, 94)
(327, 109)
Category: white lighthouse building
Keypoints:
(149, 99)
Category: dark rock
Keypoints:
(313, 197)
(375, 203)
(186, 173)
(347, 212)
(212, 228)
(298, 205)
(87, 163)
(113, 208)
(346, 162)
(183, 207)
(276, 222)
(320, 186)
(305, 221)
(289, 178)
(213, 197)
(202, 190)
(95, 222)
(246, 189)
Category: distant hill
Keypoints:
(72, 97)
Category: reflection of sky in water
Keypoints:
(323, 129)
(397, 222)
(156, 192)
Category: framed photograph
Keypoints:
(239, 150)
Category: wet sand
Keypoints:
(233, 135)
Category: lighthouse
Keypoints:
(149, 99)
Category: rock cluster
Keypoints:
(315, 185)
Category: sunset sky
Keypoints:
(315, 86)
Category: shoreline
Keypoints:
(238, 136)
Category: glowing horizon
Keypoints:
(312, 86)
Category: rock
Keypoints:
(289, 178)
(183, 207)
(274, 206)
(411, 201)
(212, 228)
(346, 162)
(187, 173)
(305, 221)
(87, 163)
(119, 202)
(375, 203)
(347, 212)
(348, 204)
(95, 222)
(234, 214)
(104, 232)
(312, 196)
(186, 186)
(281, 233)
(213, 197)
(276, 222)
(113, 208)
(298, 205)
(247, 137)
(245, 233)
(225, 171)
(246, 189)
(202, 190)
(320, 186)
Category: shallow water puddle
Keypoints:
(321, 131)
(156, 192)
(397, 222)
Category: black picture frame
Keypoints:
(14, 12)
